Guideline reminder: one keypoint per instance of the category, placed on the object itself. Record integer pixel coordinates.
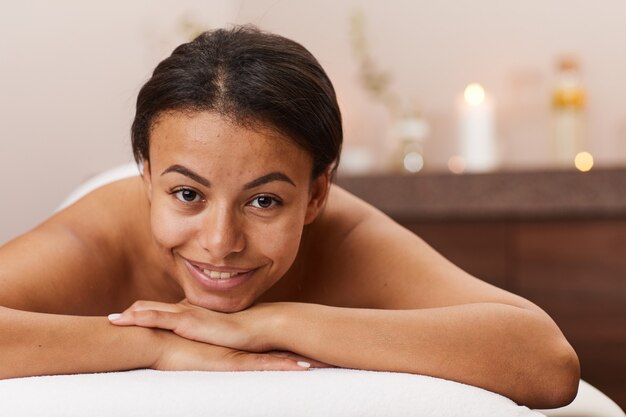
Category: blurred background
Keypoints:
(493, 129)
(71, 70)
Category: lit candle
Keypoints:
(477, 142)
(584, 161)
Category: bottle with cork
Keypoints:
(568, 105)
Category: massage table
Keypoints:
(329, 392)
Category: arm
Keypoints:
(51, 269)
(46, 344)
(424, 315)
(505, 349)
(433, 318)
(34, 344)
(514, 351)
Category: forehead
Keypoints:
(208, 139)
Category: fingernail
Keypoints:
(303, 364)
(113, 317)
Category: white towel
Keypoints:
(319, 392)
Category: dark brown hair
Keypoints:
(253, 78)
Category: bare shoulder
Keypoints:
(363, 258)
(343, 212)
(75, 261)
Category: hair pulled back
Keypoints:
(251, 77)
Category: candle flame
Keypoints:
(474, 94)
(583, 161)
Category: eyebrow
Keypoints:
(187, 173)
(272, 176)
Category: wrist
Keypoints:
(279, 327)
(125, 348)
(267, 322)
(152, 343)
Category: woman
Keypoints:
(233, 251)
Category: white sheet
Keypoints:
(320, 392)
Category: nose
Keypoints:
(221, 234)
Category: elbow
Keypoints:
(561, 376)
(568, 379)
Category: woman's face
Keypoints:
(228, 206)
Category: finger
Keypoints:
(299, 358)
(141, 305)
(147, 318)
(266, 362)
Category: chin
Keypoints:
(219, 304)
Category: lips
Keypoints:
(218, 278)
(219, 275)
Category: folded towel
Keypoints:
(318, 392)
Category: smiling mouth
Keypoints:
(219, 279)
(219, 275)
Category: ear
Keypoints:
(147, 180)
(318, 194)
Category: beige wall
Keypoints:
(70, 70)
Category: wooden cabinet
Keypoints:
(577, 272)
(555, 238)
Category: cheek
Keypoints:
(169, 230)
(280, 241)
(284, 240)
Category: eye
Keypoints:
(265, 202)
(187, 195)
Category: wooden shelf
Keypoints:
(517, 195)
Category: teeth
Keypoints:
(219, 275)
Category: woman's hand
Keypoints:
(194, 323)
(179, 354)
(245, 331)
